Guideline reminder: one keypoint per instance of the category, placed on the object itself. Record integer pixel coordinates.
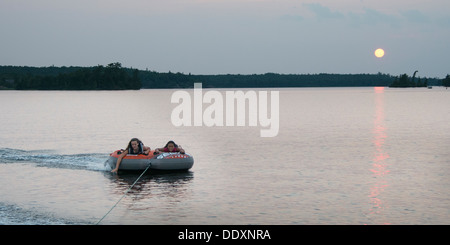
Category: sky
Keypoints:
(230, 36)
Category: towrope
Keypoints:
(221, 112)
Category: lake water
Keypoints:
(342, 156)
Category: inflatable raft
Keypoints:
(167, 161)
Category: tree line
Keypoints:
(268, 80)
(446, 81)
(152, 79)
(110, 77)
(114, 77)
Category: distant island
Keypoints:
(115, 77)
(403, 81)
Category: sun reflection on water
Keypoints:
(379, 167)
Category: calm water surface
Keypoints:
(342, 156)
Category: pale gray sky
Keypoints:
(230, 36)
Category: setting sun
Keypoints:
(379, 53)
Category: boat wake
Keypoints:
(44, 158)
(15, 215)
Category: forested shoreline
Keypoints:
(110, 77)
(115, 77)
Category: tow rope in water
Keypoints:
(124, 194)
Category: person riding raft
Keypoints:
(135, 146)
(170, 147)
